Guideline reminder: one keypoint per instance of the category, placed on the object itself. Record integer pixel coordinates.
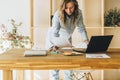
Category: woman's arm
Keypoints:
(82, 29)
(56, 24)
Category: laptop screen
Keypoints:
(99, 43)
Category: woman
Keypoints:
(64, 23)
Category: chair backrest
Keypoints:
(51, 17)
(51, 20)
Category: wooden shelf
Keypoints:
(112, 27)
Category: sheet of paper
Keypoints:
(61, 42)
(81, 45)
(102, 55)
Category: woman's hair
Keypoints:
(63, 13)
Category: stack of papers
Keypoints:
(97, 56)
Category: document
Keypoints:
(102, 55)
(81, 45)
(61, 41)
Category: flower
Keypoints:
(16, 39)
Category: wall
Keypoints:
(112, 75)
(18, 10)
(41, 13)
(114, 3)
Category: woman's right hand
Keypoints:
(53, 48)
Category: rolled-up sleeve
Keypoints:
(56, 24)
(81, 27)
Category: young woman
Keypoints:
(64, 22)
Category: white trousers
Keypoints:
(54, 74)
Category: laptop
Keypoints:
(96, 44)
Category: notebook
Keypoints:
(96, 44)
(35, 53)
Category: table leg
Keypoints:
(20, 74)
(102, 74)
(7, 75)
(32, 74)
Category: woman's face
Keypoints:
(69, 8)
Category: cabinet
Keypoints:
(94, 19)
(93, 11)
(110, 4)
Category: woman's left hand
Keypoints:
(86, 41)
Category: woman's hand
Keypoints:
(86, 41)
(54, 48)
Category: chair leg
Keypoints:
(78, 76)
(88, 76)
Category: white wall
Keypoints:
(114, 3)
(41, 13)
(18, 10)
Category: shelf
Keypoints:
(112, 27)
(93, 27)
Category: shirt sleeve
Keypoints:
(81, 27)
(56, 24)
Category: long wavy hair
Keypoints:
(63, 13)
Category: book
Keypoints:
(35, 53)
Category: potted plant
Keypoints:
(112, 17)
